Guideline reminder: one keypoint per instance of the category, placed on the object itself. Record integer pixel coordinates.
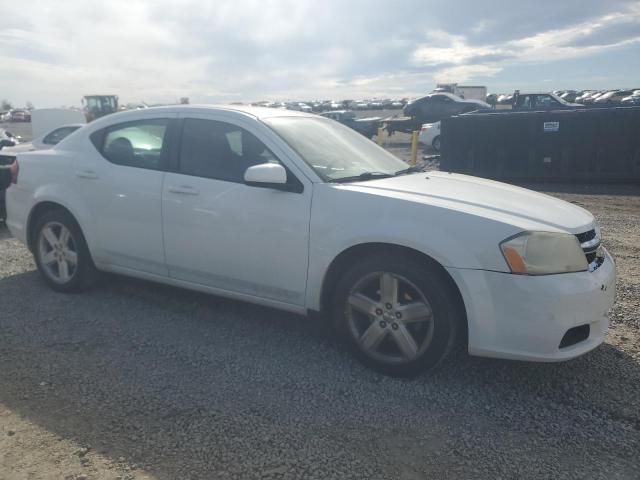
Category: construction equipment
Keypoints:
(96, 106)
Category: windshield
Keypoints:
(333, 150)
(559, 99)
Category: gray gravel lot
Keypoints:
(136, 380)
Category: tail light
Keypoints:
(14, 169)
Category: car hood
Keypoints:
(505, 203)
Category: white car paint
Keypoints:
(428, 133)
(274, 247)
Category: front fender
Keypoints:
(344, 218)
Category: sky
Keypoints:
(217, 51)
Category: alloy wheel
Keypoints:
(58, 253)
(390, 318)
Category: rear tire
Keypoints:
(436, 143)
(397, 315)
(61, 253)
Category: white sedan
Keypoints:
(298, 212)
(430, 135)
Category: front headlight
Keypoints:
(543, 253)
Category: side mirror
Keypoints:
(266, 175)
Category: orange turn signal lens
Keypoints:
(514, 260)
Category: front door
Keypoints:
(224, 234)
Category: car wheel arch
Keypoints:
(352, 254)
(39, 209)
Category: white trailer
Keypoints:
(468, 92)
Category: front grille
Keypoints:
(586, 236)
(590, 243)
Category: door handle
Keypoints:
(89, 174)
(184, 190)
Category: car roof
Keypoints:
(257, 112)
(68, 125)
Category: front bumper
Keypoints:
(525, 317)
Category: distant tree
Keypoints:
(30, 105)
(184, 100)
(6, 104)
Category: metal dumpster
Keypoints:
(589, 145)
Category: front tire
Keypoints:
(61, 253)
(398, 315)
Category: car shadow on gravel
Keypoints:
(180, 382)
(4, 231)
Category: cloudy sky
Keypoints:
(53, 52)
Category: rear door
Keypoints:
(121, 182)
(224, 234)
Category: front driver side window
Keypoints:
(220, 150)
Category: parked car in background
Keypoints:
(588, 100)
(436, 106)
(430, 135)
(633, 99)
(541, 101)
(8, 139)
(366, 126)
(20, 116)
(42, 142)
(505, 99)
(307, 215)
(569, 96)
(613, 97)
(584, 95)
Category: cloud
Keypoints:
(464, 73)
(444, 48)
(160, 50)
(463, 61)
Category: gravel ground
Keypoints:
(138, 381)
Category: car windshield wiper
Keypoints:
(362, 176)
(412, 169)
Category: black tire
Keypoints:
(447, 311)
(85, 274)
(436, 144)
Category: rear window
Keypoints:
(58, 135)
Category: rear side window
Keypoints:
(137, 144)
(58, 135)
